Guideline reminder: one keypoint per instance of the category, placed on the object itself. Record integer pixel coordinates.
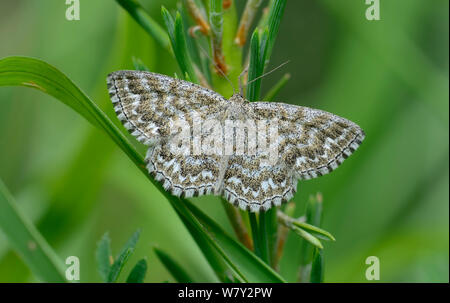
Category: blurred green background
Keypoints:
(390, 200)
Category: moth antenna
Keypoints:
(265, 74)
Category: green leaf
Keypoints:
(242, 261)
(314, 229)
(264, 241)
(138, 13)
(104, 257)
(122, 258)
(214, 258)
(131, 243)
(317, 267)
(275, 15)
(272, 232)
(194, 44)
(254, 69)
(210, 249)
(176, 270)
(27, 241)
(264, 44)
(307, 236)
(313, 217)
(118, 265)
(258, 52)
(137, 274)
(255, 233)
(179, 45)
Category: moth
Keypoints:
(310, 142)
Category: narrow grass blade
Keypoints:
(126, 252)
(289, 222)
(148, 24)
(176, 270)
(313, 217)
(118, 265)
(137, 274)
(179, 46)
(104, 257)
(254, 68)
(317, 267)
(239, 258)
(258, 51)
(275, 15)
(314, 229)
(263, 237)
(271, 225)
(255, 233)
(307, 236)
(131, 243)
(27, 241)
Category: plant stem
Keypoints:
(255, 235)
(231, 52)
(313, 216)
(198, 16)
(272, 231)
(264, 242)
(246, 21)
(282, 235)
(238, 225)
(216, 21)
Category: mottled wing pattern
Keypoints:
(147, 103)
(185, 176)
(311, 142)
(252, 185)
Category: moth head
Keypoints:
(237, 97)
